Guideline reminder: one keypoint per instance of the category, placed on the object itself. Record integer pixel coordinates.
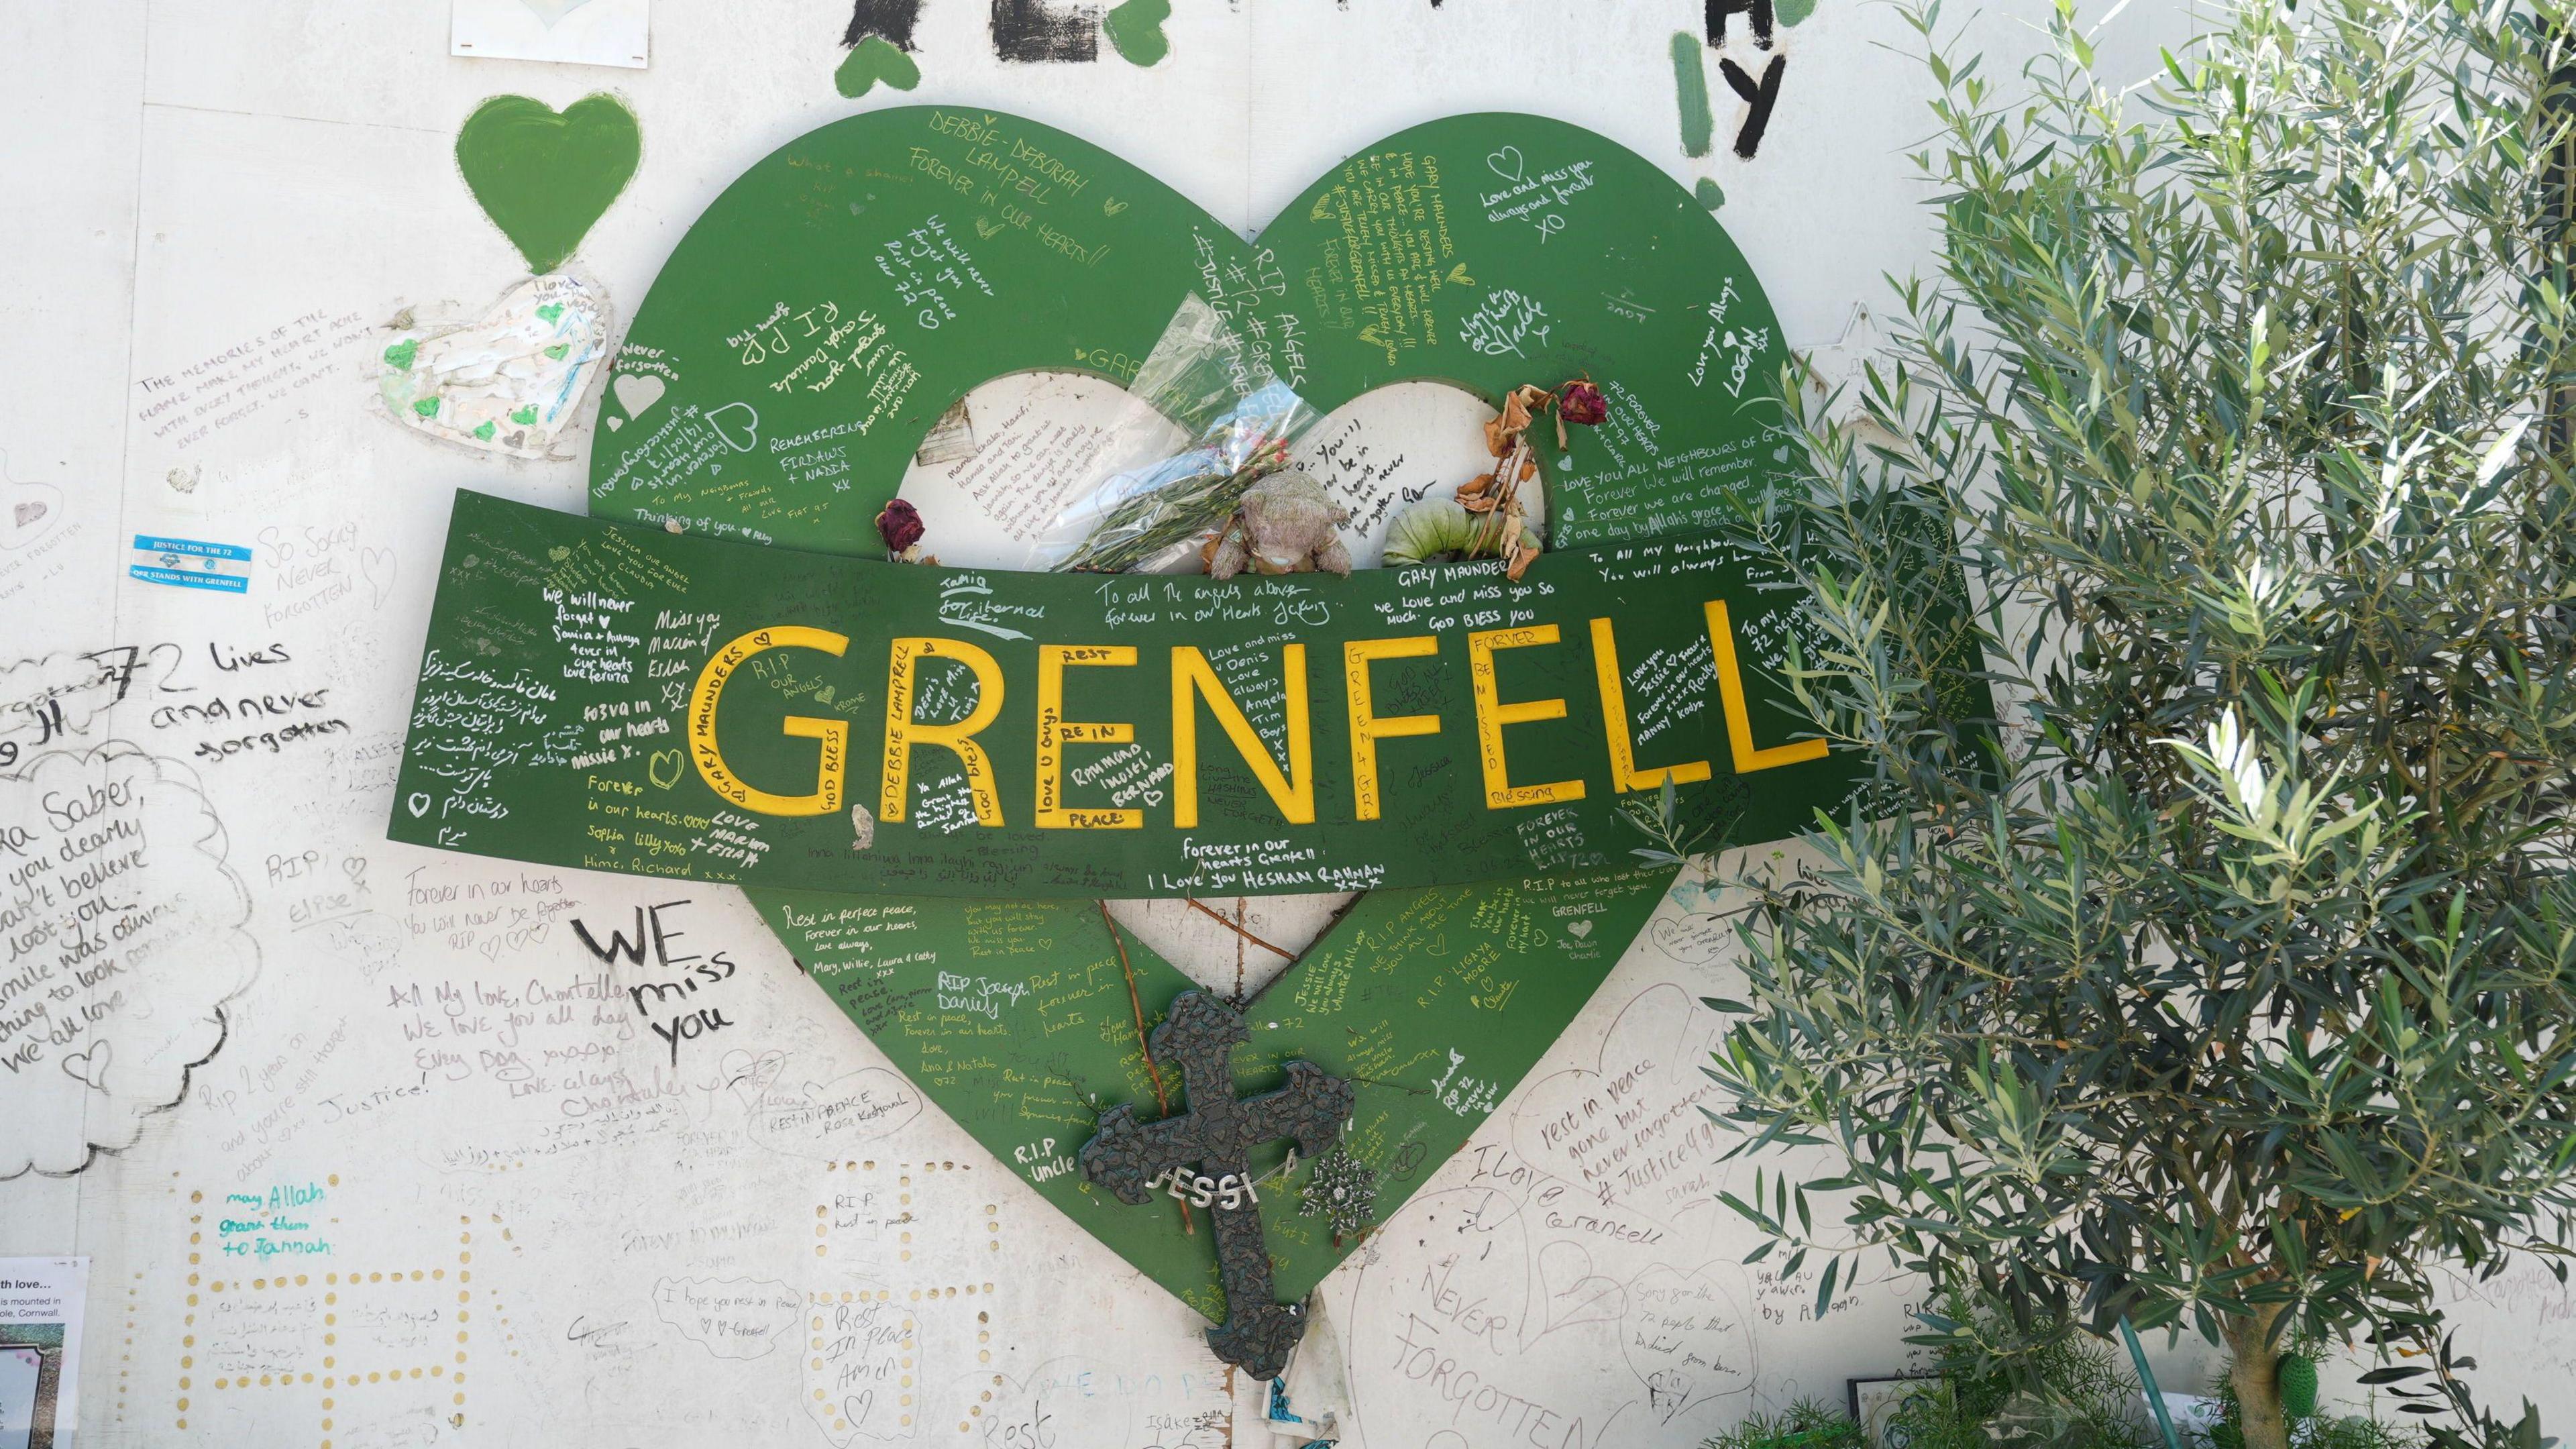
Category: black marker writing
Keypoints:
(694, 973)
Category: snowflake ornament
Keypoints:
(1343, 1191)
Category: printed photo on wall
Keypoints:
(40, 1324)
(570, 32)
(1880, 1406)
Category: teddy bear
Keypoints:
(1286, 524)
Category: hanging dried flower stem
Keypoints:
(1503, 532)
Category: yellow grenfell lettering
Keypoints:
(831, 767)
(1624, 774)
(1492, 714)
(1739, 724)
(902, 731)
(1192, 678)
(1366, 727)
(1055, 732)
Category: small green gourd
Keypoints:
(1436, 529)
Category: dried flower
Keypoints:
(1582, 404)
(899, 525)
(1519, 405)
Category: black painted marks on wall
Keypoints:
(1756, 12)
(1760, 94)
(1759, 97)
(1036, 31)
(892, 21)
(1023, 31)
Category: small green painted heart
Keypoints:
(1136, 30)
(543, 176)
(872, 60)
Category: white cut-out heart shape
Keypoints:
(637, 391)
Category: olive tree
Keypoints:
(2221, 975)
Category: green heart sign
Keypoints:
(544, 177)
(850, 288)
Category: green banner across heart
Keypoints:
(849, 724)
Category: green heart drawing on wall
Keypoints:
(842, 294)
(544, 176)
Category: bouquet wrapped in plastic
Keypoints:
(1153, 514)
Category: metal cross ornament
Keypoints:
(1216, 1135)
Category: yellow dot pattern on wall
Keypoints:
(283, 1352)
(125, 1356)
(876, 1220)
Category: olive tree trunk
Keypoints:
(2256, 1376)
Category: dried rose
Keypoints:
(1582, 404)
(899, 525)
